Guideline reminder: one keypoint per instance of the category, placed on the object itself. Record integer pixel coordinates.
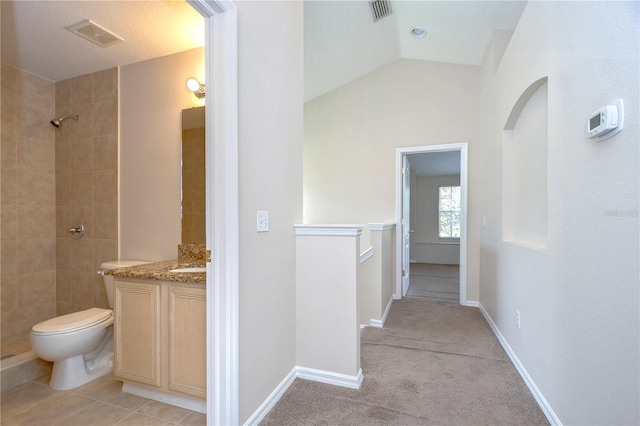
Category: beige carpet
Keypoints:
(434, 281)
(434, 363)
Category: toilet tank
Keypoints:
(116, 264)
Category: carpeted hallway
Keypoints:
(434, 363)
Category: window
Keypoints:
(449, 212)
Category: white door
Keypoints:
(406, 223)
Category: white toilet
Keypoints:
(80, 344)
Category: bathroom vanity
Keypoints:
(160, 333)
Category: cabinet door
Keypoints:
(137, 332)
(187, 341)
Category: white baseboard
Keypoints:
(272, 399)
(331, 378)
(187, 402)
(380, 323)
(535, 391)
(336, 379)
(472, 303)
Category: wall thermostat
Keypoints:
(606, 122)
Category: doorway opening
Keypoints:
(434, 243)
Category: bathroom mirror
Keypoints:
(193, 176)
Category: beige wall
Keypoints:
(579, 338)
(327, 301)
(426, 246)
(270, 83)
(152, 95)
(352, 133)
(28, 194)
(86, 187)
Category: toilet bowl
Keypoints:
(80, 344)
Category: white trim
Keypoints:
(366, 255)
(400, 291)
(380, 323)
(380, 226)
(540, 399)
(330, 230)
(336, 379)
(221, 72)
(272, 399)
(331, 378)
(472, 303)
(182, 401)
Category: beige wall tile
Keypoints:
(64, 286)
(76, 129)
(105, 149)
(105, 85)
(106, 221)
(81, 152)
(9, 257)
(63, 253)
(30, 315)
(9, 293)
(36, 221)
(81, 90)
(35, 255)
(82, 255)
(8, 224)
(63, 157)
(38, 288)
(8, 186)
(35, 188)
(104, 251)
(81, 188)
(9, 149)
(82, 288)
(99, 293)
(105, 118)
(63, 189)
(63, 221)
(63, 308)
(63, 98)
(105, 187)
(36, 154)
(9, 328)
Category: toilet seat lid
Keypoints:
(73, 322)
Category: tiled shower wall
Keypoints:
(28, 284)
(51, 177)
(86, 187)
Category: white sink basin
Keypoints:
(197, 269)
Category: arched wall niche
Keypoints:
(524, 169)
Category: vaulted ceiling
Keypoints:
(342, 42)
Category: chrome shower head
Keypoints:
(56, 121)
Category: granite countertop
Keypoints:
(159, 271)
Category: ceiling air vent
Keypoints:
(94, 33)
(380, 9)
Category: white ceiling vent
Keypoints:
(380, 9)
(94, 33)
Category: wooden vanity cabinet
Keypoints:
(160, 336)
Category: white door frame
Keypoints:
(221, 116)
(464, 161)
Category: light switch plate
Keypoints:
(263, 221)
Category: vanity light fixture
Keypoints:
(196, 87)
(417, 32)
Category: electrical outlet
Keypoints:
(518, 319)
(263, 221)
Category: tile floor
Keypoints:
(100, 402)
